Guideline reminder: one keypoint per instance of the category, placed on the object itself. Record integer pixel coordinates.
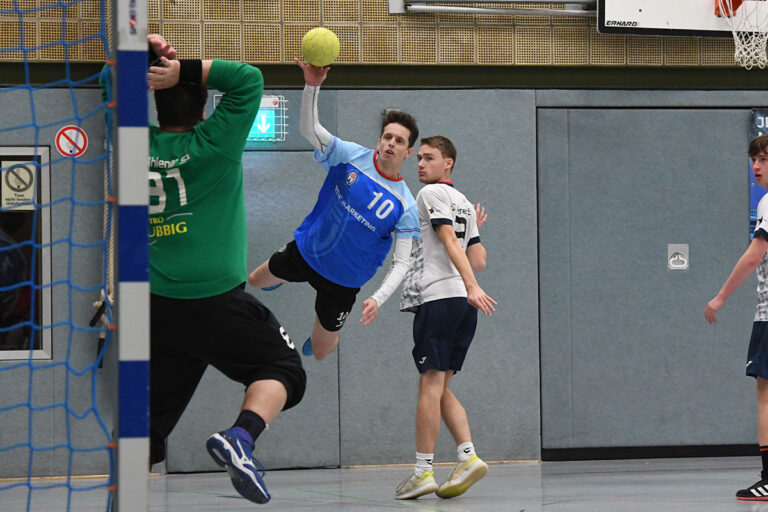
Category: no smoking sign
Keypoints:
(18, 185)
(71, 141)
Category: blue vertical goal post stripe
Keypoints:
(133, 102)
(134, 398)
(133, 248)
(132, 489)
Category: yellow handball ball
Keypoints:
(320, 46)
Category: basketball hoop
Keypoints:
(748, 20)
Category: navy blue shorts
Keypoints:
(442, 332)
(757, 356)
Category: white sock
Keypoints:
(423, 463)
(465, 451)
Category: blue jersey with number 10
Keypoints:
(349, 231)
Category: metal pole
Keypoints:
(482, 10)
(132, 457)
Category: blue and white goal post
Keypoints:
(132, 146)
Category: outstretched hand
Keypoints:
(481, 300)
(481, 215)
(161, 47)
(370, 311)
(165, 75)
(313, 75)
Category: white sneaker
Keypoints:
(463, 476)
(415, 486)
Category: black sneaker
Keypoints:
(755, 492)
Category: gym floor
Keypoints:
(700, 484)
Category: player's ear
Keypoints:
(409, 152)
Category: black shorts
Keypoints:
(233, 332)
(333, 302)
(757, 355)
(442, 332)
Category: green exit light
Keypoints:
(270, 125)
(263, 126)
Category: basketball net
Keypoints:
(748, 20)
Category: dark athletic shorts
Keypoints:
(233, 332)
(442, 332)
(333, 302)
(757, 355)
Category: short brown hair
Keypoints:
(442, 144)
(402, 118)
(758, 145)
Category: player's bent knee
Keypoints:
(296, 387)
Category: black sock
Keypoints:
(252, 423)
(764, 456)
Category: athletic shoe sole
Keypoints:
(417, 492)
(246, 480)
(273, 287)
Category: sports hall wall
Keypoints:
(62, 380)
(594, 344)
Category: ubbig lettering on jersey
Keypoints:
(169, 229)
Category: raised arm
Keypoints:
(400, 260)
(475, 295)
(309, 123)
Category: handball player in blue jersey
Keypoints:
(363, 204)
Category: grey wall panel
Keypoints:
(83, 267)
(555, 285)
(645, 366)
(494, 132)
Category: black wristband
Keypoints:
(191, 71)
(153, 58)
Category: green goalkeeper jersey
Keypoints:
(197, 228)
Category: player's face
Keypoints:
(393, 145)
(433, 167)
(760, 168)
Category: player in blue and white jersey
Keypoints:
(441, 288)
(755, 258)
(363, 204)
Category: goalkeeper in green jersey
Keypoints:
(201, 314)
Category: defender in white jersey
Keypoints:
(362, 206)
(754, 258)
(440, 287)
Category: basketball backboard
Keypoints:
(662, 17)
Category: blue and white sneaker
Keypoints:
(231, 449)
(307, 348)
(273, 287)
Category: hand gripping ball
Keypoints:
(320, 46)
